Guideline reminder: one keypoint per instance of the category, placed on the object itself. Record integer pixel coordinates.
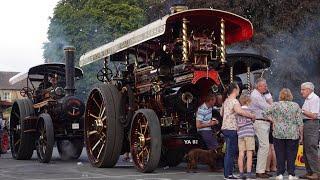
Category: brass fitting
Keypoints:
(222, 42)
(185, 49)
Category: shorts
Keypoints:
(246, 143)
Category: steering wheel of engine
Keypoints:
(26, 92)
(105, 75)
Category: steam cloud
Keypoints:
(295, 58)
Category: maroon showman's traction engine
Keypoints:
(146, 105)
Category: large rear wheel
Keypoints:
(45, 142)
(21, 142)
(145, 140)
(103, 129)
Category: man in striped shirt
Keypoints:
(204, 121)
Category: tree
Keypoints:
(87, 24)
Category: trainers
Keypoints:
(231, 177)
(293, 177)
(280, 177)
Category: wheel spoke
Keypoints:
(44, 141)
(102, 112)
(44, 149)
(92, 132)
(140, 125)
(95, 101)
(141, 155)
(92, 115)
(104, 118)
(98, 142)
(101, 149)
(16, 114)
(146, 127)
(18, 142)
(148, 154)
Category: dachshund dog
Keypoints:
(208, 157)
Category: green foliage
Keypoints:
(87, 24)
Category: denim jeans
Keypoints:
(209, 139)
(286, 152)
(231, 139)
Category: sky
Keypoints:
(23, 30)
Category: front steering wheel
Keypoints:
(26, 92)
(105, 75)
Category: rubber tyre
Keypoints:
(111, 149)
(21, 109)
(155, 138)
(45, 121)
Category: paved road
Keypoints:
(81, 169)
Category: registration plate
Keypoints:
(75, 125)
(190, 141)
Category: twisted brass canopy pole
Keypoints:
(231, 74)
(222, 42)
(249, 79)
(185, 52)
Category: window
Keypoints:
(6, 96)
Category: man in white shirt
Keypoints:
(311, 116)
(261, 99)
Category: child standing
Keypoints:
(246, 141)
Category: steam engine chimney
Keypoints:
(178, 6)
(70, 71)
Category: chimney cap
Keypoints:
(178, 3)
(69, 48)
(178, 6)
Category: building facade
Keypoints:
(9, 92)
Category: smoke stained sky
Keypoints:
(23, 31)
